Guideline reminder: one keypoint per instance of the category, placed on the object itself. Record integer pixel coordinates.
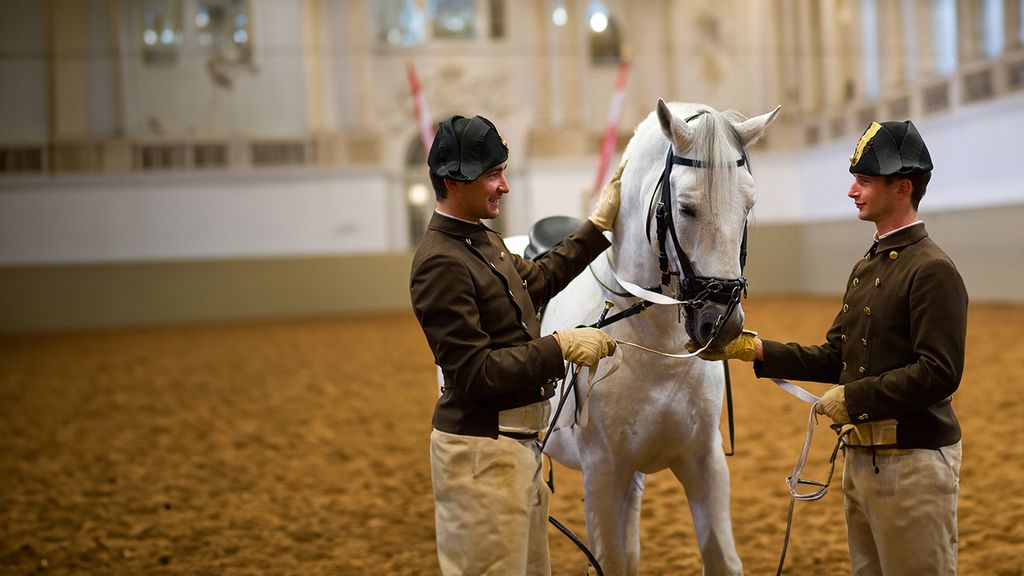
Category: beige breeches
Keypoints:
(491, 507)
(901, 520)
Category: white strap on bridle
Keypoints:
(644, 294)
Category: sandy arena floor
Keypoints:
(301, 448)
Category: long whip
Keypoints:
(554, 418)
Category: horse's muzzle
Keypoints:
(713, 325)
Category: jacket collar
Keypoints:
(458, 228)
(903, 237)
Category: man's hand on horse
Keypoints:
(743, 347)
(833, 405)
(607, 208)
(585, 346)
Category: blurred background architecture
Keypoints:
(169, 161)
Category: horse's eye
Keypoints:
(688, 210)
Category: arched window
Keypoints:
(224, 30)
(161, 31)
(404, 23)
(604, 40)
(399, 22)
(453, 19)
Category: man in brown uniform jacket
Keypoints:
(896, 349)
(477, 304)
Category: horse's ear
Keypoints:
(677, 131)
(751, 130)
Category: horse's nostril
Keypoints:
(706, 331)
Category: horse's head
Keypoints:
(705, 195)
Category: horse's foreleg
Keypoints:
(634, 496)
(706, 481)
(612, 505)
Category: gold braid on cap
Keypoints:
(868, 135)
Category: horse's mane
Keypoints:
(716, 143)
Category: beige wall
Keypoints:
(814, 259)
(987, 245)
(81, 296)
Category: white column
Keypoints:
(311, 46)
(911, 44)
(69, 110)
(788, 51)
(806, 54)
(575, 50)
(831, 64)
(552, 80)
(766, 77)
(892, 56)
(1011, 24)
(968, 14)
(359, 50)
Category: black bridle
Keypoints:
(692, 289)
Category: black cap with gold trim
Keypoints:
(465, 148)
(890, 148)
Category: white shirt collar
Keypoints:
(891, 232)
(445, 214)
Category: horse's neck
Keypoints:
(633, 257)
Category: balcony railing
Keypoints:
(180, 154)
(970, 84)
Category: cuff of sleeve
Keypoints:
(854, 402)
(595, 238)
(763, 368)
(554, 365)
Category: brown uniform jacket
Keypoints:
(477, 304)
(897, 344)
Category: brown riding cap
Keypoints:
(465, 148)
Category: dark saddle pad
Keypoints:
(547, 233)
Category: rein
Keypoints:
(794, 480)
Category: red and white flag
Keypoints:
(419, 104)
(611, 130)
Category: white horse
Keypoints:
(657, 412)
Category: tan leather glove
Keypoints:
(833, 405)
(607, 207)
(743, 347)
(585, 346)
